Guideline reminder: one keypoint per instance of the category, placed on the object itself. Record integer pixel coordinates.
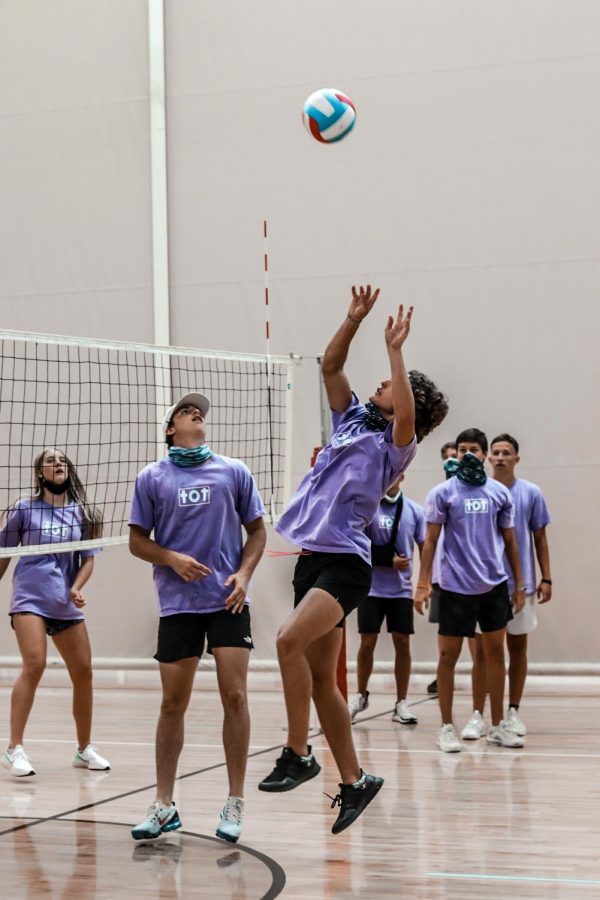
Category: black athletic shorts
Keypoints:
(398, 613)
(345, 576)
(460, 613)
(53, 626)
(184, 634)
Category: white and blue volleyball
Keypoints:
(329, 115)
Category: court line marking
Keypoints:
(134, 791)
(530, 878)
(278, 877)
(512, 754)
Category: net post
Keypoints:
(342, 668)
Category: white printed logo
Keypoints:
(199, 495)
(477, 505)
(342, 439)
(385, 521)
(54, 529)
(248, 640)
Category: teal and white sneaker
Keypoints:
(17, 761)
(160, 820)
(232, 819)
(89, 758)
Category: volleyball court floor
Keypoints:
(487, 822)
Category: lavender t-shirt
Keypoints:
(338, 498)
(411, 529)
(198, 511)
(531, 513)
(41, 584)
(472, 560)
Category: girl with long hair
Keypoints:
(47, 599)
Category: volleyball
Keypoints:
(329, 115)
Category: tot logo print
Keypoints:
(477, 505)
(385, 521)
(198, 495)
(54, 529)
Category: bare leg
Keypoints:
(478, 673)
(517, 668)
(364, 661)
(73, 644)
(332, 710)
(493, 645)
(450, 648)
(177, 681)
(31, 637)
(232, 676)
(314, 617)
(402, 664)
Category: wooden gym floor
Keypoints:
(485, 823)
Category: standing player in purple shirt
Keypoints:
(195, 503)
(369, 448)
(531, 518)
(398, 525)
(47, 599)
(477, 515)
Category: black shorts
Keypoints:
(398, 613)
(460, 613)
(183, 635)
(434, 604)
(345, 576)
(53, 626)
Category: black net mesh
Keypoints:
(101, 404)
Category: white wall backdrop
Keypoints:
(470, 187)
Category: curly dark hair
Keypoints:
(431, 406)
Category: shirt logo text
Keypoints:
(194, 496)
(477, 505)
(54, 529)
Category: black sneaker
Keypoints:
(290, 771)
(353, 799)
(432, 688)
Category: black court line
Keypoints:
(131, 793)
(386, 712)
(278, 878)
(148, 787)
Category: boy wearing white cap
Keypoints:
(194, 502)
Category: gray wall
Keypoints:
(470, 188)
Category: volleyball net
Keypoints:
(102, 403)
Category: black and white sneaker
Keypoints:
(290, 770)
(432, 687)
(353, 799)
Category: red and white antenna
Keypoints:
(269, 366)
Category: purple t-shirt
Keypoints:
(198, 511)
(411, 529)
(531, 513)
(472, 560)
(338, 498)
(41, 584)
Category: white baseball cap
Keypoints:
(199, 400)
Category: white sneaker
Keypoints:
(403, 714)
(159, 820)
(18, 762)
(514, 722)
(232, 819)
(447, 739)
(500, 735)
(475, 727)
(90, 759)
(357, 704)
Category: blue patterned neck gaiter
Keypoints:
(471, 471)
(189, 456)
(374, 420)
